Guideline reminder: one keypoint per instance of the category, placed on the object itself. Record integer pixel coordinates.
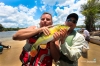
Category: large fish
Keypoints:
(44, 39)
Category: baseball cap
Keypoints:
(74, 15)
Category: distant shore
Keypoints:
(5, 36)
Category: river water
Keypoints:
(7, 35)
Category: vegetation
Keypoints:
(83, 26)
(8, 29)
(1, 27)
(91, 11)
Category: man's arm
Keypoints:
(23, 34)
(55, 52)
(59, 37)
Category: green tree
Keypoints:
(90, 10)
(1, 27)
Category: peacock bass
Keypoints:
(44, 39)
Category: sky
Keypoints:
(25, 13)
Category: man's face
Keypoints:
(71, 22)
(46, 20)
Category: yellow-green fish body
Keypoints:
(44, 39)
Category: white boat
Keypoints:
(95, 39)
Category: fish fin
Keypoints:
(33, 52)
(43, 46)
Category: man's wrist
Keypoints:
(39, 30)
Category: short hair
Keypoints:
(47, 13)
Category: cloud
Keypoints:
(54, 2)
(20, 16)
(65, 3)
(65, 7)
(43, 8)
(10, 25)
(62, 13)
(49, 2)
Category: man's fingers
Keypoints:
(46, 31)
(56, 36)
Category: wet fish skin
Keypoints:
(44, 39)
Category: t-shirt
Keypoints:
(86, 33)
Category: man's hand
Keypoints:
(60, 35)
(56, 36)
(63, 33)
(45, 30)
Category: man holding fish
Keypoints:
(70, 46)
(31, 34)
(63, 50)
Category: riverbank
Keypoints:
(10, 57)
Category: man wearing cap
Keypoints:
(70, 45)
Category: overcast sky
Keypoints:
(24, 13)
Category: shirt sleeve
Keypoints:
(73, 52)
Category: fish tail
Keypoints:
(33, 52)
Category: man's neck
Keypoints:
(69, 32)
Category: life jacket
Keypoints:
(43, 57)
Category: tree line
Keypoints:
(83, 26)
(15, 29)
(2, 28)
